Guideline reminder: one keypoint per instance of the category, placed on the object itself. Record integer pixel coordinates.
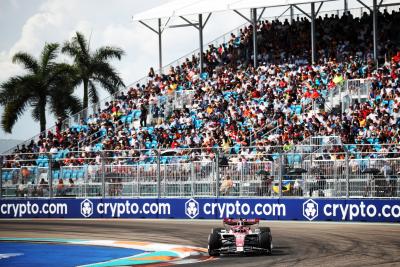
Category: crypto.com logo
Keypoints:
(86, 208)
(192, 208)
(310, 209)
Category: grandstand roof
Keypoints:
(191, 7)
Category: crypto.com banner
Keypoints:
(370, 210)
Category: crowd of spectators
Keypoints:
(234, 105)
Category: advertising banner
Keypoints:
(368, 210)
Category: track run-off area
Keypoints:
(295, 243)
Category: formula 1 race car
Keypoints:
(240, 236)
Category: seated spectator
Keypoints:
(226, 186)
(265, 187)
(71, 186)
(60, 188)
(22, 190)
(43, 188)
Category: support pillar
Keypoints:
(254, 22)
(375, 28)
(347, 176)
(103, 176)
(280, 175)
(291, 15)
(313, 52)
(217, 175)
(50, 175)
(201, 42)
(159, 174)
(159, 46)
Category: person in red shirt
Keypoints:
(307, 94)
(174, 144)
(315, 94)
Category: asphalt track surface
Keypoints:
(295, 243)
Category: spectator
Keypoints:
(43, 188)
(226, 186)
(143, 115)
(71, 186)
(60, 188)
(22, 190)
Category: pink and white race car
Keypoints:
(240, 236)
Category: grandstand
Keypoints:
(278, 115)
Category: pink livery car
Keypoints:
(240, 236)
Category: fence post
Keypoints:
(281, 159)
(159, 173)
(103, 175)
(50, 175)
(192, 175)
(1, 177)
(217, 173)
(137, 179)
(347, 175)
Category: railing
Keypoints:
(359, 88)
(344, 93)
(248, 173)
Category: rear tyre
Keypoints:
(265, 239)
(214, 244)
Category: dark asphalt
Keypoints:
(295, 243)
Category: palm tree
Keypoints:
(93, 68)
(47, 83)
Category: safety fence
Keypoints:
(247, 173)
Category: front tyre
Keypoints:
(265, 240)
(214, 244)
(217, 230)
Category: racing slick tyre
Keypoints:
(265, 239)
(217, 230)
(214, 244)
(265, 229)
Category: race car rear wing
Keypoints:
(229, 221)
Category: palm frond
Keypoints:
(12, 112)
(94, 67)
(64, 75)
(36, 112)
(80, 40)
(70, 49)
(49, 53)
(105, 71)
(29, 62)
(63, 102)
(17, 86)
(108, 52)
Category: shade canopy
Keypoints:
(192, 7)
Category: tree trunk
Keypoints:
(85, 99)
(85, 93)
(42, 115)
